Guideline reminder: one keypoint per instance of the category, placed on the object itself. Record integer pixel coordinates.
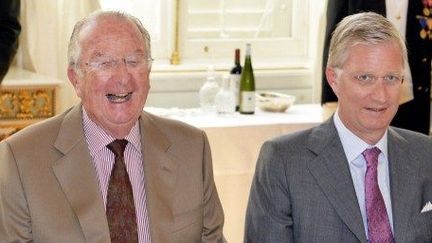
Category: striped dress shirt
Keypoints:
(103, 161)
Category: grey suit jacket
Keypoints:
(303, 191)
(49, 190)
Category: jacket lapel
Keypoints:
(160, 172)
(77, 178)
(403, 173)
(331, 171)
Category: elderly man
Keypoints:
(105, 170)
(353, 178)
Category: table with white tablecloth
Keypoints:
(235, 141)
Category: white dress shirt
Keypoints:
(353, 147)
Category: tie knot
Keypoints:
(371, 156)
(118, 146)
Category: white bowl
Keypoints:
(274, 102)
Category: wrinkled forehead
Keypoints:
(111, 32)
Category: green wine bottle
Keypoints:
(247, 85)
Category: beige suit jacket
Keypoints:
(49, 190)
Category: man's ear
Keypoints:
(332, 79)
(74, 80)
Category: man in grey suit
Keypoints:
(353, 178)
(105, 171)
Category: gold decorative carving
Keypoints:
(24, 104)
(7, 131)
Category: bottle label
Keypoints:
(235, 84)
(247, 101)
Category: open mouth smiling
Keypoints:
(376, 109)
(119, 98)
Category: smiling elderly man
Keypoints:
(105, 170)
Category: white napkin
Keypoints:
(427, 207)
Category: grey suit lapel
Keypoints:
(403, 173)
(77, 178)
(331, 171)
(160, 172)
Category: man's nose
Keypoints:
(379, 91)
(120, 71)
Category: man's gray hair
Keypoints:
(366, 28)
(74, 48)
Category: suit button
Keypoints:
(420, 88)
(424, 59)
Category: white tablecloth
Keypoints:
(235, 141)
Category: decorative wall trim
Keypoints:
(27, 103)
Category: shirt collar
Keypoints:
(97, 138)
(352, 144)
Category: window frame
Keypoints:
(295, 46)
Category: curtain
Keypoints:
(46, 28)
